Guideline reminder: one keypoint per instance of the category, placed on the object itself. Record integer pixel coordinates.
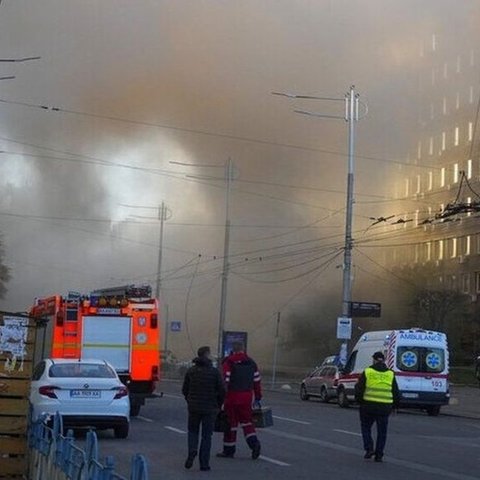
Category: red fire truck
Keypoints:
(119, 325)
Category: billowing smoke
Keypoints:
(121, 72)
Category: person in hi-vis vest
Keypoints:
(377, 393)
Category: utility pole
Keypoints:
(228, 168)
(226, 249)
(351, 117)
(167, 328)
(162, 216)
(275, 351)
(352, 102)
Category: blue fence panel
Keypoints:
(52, 452)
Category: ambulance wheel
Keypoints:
(303, 393)
(324, 395)
(342, 398)
(134, 410)
(121, 431)
(433, 410)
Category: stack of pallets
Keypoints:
(17, 335)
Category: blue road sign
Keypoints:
(175, 326)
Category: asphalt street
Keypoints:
(309, 440)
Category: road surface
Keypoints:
(309, 440)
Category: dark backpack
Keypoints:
(241, 378)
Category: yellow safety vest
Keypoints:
(378, 387)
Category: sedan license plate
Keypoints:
(410, 395)
(85, 394)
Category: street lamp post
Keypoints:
(226, 249)
(352, 102)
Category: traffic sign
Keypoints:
(175, 326)
(365, 309)
(229, 338)
(344, 328)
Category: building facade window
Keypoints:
(469, 201)
(444, 105)
(456, 136)
(477, 249)
(470, 95)
(440, 251)
(477, 282)
(442, 177)
(430, 146)
(419, 184)
(468, 245)
(445, 71)
(470, 131)
(466, 283)
(469, 169)
(419, 150)
(444, 141)
(457, 100)
(407, 185)
(453, 248)
(428, 251)
(455, 172)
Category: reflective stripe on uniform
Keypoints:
(378, 388)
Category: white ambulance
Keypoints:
(419, 359)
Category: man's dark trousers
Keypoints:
(207, 422)
(367, 419)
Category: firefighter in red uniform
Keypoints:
(242, 381)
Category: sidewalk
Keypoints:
(464, 402)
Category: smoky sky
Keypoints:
(204, 66)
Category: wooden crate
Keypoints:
(17, 344)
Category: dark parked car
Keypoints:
(321, 383)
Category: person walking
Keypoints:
(477, 369)
(204, 393)
(377, 393)
(243, 383)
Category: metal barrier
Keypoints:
(54, 456)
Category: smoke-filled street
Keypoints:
(223, 190)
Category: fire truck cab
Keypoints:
(119, 325)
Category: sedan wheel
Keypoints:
(303, 393)
(121, 431)
(324, 395)
(342, 398)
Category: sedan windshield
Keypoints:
(80, 370)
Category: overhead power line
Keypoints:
(304, 287)
(204, 132)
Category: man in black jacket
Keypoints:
(204, 392)
(377, 393)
